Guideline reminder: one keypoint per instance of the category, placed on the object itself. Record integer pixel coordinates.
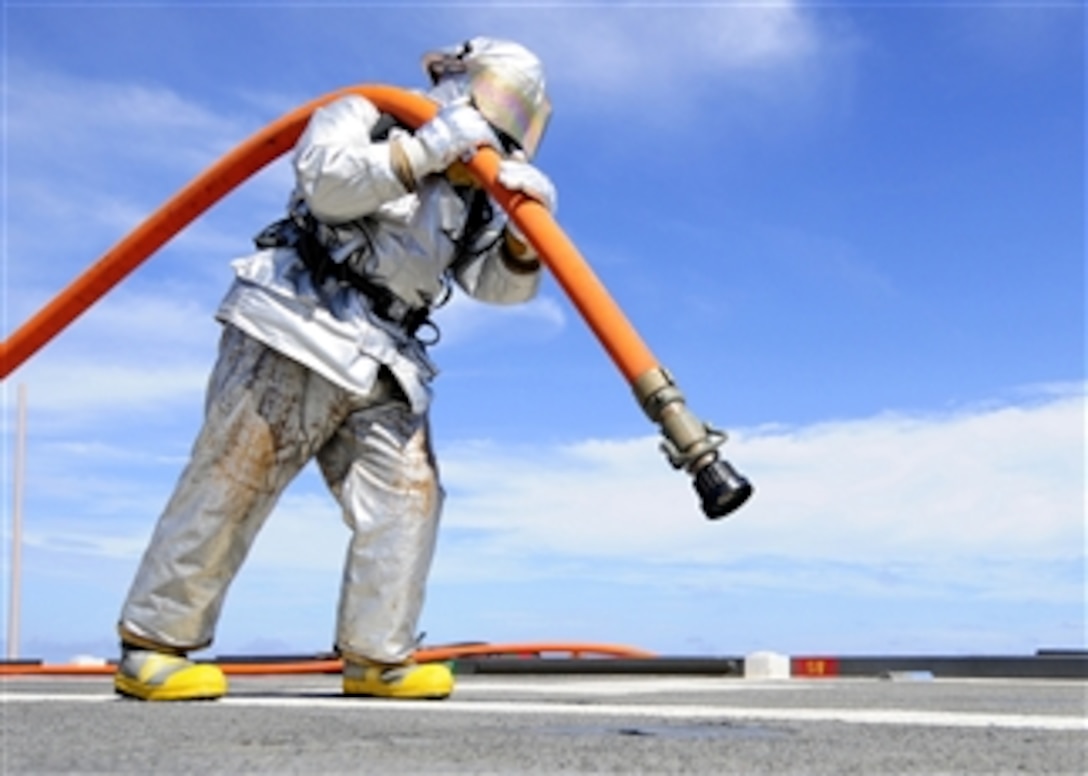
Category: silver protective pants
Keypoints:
(266, 416)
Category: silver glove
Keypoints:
(454, 133)
(518, 175)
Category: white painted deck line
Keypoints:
(908, 717)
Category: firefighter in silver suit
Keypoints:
(323, 356)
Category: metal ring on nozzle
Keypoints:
(692, 445)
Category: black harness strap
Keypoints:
(288, 233)
(300, 232)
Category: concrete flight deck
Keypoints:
(683, 719)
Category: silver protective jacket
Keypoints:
(404, 240)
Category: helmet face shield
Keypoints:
(509, 109)
(506, 84)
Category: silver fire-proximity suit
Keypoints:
(326, 366)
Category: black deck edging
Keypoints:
(1064, 666)
(952, 667)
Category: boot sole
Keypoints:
(131, 688)
(416, 694)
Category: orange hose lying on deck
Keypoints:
(592, 300)
(335, 665)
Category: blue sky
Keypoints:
(854, 233)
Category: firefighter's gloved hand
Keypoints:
(454, 133)
(516, 174)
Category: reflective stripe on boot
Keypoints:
(156, 676)
(432, 681)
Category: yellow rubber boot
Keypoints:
(431, 681)
(156, 676)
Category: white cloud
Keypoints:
(637, 55)
(164, 319)
(965, 499)
(89, 160)
(91, 387)
(132, 351)
(53, 116)
(306, 532)
(88, 543)
(991, 486)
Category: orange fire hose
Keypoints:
(690, 444)
(586, 292)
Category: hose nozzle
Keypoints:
(692, 445)
(721, 489)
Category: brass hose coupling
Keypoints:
(691, 444)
